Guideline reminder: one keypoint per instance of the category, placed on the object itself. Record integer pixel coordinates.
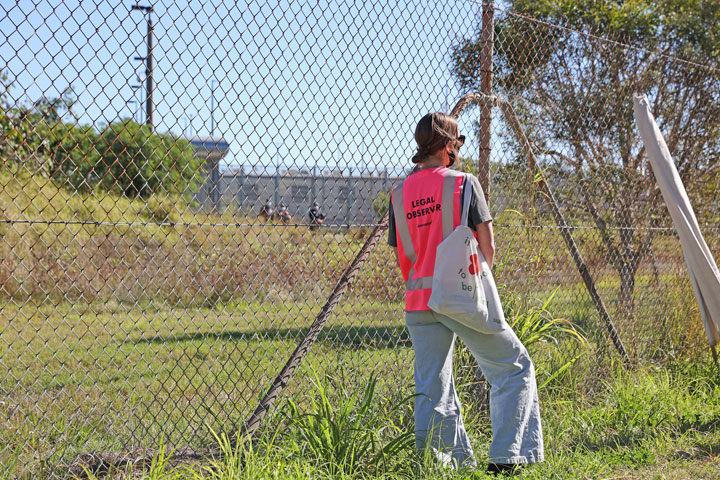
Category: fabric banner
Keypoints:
(703, 270)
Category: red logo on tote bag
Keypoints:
(474, 267)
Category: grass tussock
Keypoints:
(351, 434)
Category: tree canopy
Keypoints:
(571, 67)
(124, 156)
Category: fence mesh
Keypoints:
(159, 261)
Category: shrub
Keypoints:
(73, 155)
(137, 162)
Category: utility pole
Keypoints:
(212, 107)
(149, 106)
(486, 80)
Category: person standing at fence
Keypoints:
(504, 361)
(315, 216)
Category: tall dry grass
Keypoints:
(59, 245)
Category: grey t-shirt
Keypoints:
(479, 211)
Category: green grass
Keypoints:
(112, 377)
(644, 424)
(129, 335)
(75, 377)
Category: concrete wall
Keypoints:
(343, 199)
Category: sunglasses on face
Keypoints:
(460, 141)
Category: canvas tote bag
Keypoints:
(463, 287)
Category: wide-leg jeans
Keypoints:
(505, 363)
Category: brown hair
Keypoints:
(432, 133)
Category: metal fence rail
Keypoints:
(145, 294)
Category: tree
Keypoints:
(573, 92)
(51, 109)
(13, 126)
(137, 162)
(125, 157)
(74, 155)
(25, 132)
(467, 165)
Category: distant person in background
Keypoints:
(431, 193)
(315, 216)
(283, 213)
(268, 210)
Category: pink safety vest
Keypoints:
(427, 209)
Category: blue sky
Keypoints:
(309, 76)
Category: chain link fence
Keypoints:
(151, 283)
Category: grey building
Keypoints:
(343, 199)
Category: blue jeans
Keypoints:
(505, 363)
